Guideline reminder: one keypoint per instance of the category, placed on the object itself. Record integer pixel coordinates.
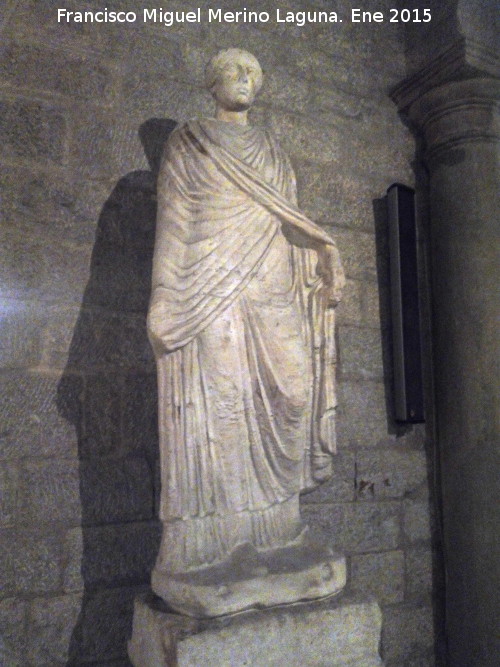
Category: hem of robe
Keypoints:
(201, 541)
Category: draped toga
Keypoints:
(242, 342)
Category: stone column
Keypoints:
(460, 126)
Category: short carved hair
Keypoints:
(223, 58)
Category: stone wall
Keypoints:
(84, 112)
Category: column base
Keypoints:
(312, 634)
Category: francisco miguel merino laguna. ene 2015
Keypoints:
(197, 15)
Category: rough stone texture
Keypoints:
(407, 636)
(416, 521)
(73, 580)
(13, 632)
(340, 488)
(30, 66)
(30, 562)
(51, 621)
(381, 575)
(361, 414)
(119, 554)
(103, 627)
(357, 527)
(84, 110)
(389, 473)
(32, 130)
(9, 494)
(362, 356)
(36, 412)
(50, 491)
(419, 567)
(39, 205)
(20, 345)
(343, 636)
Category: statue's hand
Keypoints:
(330, 269)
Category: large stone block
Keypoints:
(22, 267)
(417, 520)
(119, 554)
(127, 218)
(340, 488)
(140, 415)
(13, 616)
(40, 206)
(101, 431)
(223, 35)
(349, 309)
(389, 473)
(115, 490)
(20, 344)
(408, 636)
(95, 146)
(375, 305)
(381, 575)
(362, 418)
(42, 269)
(342, 636)
(72, 561)
(103, 627)
(32, 130)
(36, 20)
(315, 64)
(133, 344)
(62, 412)
(358, 252)
(283, 90)
(38, 413)
(337, 199)
(20, 430)
(111, 341)
(30, 561)
(162, 54)
(94, 343)
(359, 49)
(419, 573)
(67, 271)
(51, 623)
(305, 141)
(357, 527)
(163, 97)
(50, 491)
(386, 150)
(58, 335)
(360, 353)
(37, 67)
(336, 100)
(9, 494)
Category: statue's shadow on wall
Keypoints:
(108, 391)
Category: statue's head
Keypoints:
(234, 78)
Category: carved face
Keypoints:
(235, 87)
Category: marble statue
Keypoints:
(241, 320)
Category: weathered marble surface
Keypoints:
(242, 323)
(314, 635)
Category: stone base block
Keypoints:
(300, 635)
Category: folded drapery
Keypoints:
(243, 332)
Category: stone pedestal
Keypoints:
(312, 634)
